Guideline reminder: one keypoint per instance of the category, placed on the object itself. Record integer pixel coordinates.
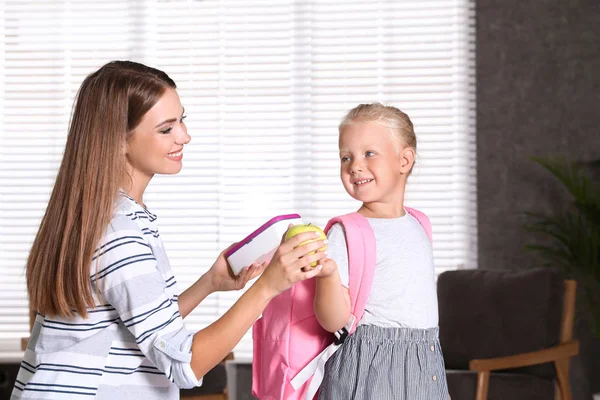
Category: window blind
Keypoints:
(264, 84)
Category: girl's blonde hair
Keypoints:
(110, 104)
(399, 123)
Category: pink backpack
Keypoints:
(290, 346)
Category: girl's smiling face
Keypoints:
(373, 168)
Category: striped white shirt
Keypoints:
(133, 344)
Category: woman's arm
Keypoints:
(192, 296)
(218, 278)
(130, 281)
(211, 344)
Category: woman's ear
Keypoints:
(124, 147)
(407, 159)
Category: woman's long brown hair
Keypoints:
(110, 103)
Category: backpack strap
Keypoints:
(423, 220)
(360, 241)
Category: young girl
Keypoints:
(109, 314)
(395, 352)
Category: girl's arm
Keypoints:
(332, 300)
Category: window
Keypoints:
(264, 84)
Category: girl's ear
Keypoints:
(407, 159)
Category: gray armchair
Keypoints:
(506, 334)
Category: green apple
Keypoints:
(300, 228)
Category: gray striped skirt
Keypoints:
(386, 363)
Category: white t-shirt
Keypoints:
(403, 293)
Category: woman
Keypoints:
(109, 322)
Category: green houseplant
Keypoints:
(569, 237)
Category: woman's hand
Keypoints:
(222, 278)
(289, 261)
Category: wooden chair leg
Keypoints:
(562, 378)
(483, 380)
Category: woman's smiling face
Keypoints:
(156, 144)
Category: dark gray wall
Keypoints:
(538, 93)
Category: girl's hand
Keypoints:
(222, 279)
(329, 268)
(290, 259)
